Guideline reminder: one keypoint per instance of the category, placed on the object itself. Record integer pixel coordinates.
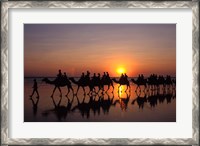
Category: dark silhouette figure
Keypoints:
(82, 76)
(35, 105)
(140, 82)
(121, 78)
(82, 82)
(122, 81)
(35, 88)
(59, 75)
(95, 82)
(106, 81)
(62, 82)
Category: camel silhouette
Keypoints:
(122, 82)
(107, 82)
(81, 83)
(59, 83)
(140, 83)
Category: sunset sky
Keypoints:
(114, 48)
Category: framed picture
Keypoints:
(99, 72)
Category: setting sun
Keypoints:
(121, 70)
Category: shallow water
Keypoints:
(130, 106)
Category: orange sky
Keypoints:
(76, 48)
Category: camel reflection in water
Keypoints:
(101, 104)
(98, 104)
(60, 111)
(152, 97)
(95, 103)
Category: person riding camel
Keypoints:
(94, 78)
(87, 76)
(107, 76)
(142, 77)
(121, 78)
(82, 76)
(104, 76)
(65, 76)
(59, 76)
(125, 77)
(99, 76)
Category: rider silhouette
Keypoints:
(125, 77)
(94, 77)
(65, 76)
(59, 75)
(35, 87)
(107, 76)
(87, 77)
(104, 75)
(121, 78)
(82, 76)
(142, 77)
(99, 77)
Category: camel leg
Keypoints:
(72, 90)
(60, 91)
(53, 91)
(84, 90)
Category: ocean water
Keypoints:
(130, 106)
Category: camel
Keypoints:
(81, 83)
(59, 83)
(140, 83)
(122, 82)
(107, 82)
